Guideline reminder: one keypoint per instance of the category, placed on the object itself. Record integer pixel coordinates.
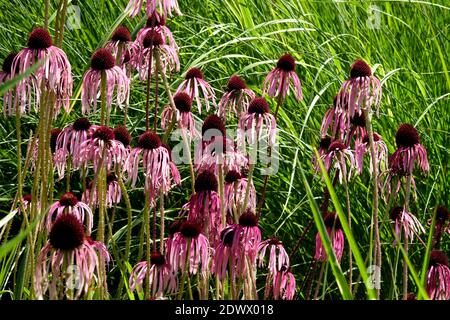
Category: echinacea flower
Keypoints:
(69, 143)
(155, 162)
(278, 257)
(68, 203)
(224, 256)
(119, 44)
(102, 149)
(9, 104)
(103, 66)
(284, 285)
(236, 98)
(362, 90)
(257, 124)
(166, 7)
(442, 217)
(153, 43)
(54, 73)
(67, 246)
(183, 104)
(335, 122)
(438, 276)
(337, 157)
(173, 168)
(407, 222)
(324, 144)
(278, 81)
(336, 235)
(198, 89)
(113, 192)
(191, 243)
(156, 22)
(362, 147)
(234, 189)
(409, 150)
(161, 278)
(246, 239)
(204, 206)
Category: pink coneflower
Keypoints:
(278, 257)
(183, 103)
(69, 143)
(189, 239)
(284, 285)
(55, 72)
(407, 222)
(324, 144)
(361, 90)
(143, 54)
(334, 122)
(113, 192)
(103, 150)
(8, 96)
(236, 98)
(204, 206)
(234, 189)
(357, 127)
(198, 88)
(337, 157)
(223, 254)
(278, 81)
(247, 237)
(212, 128)
(69, 204)
(162, 279)
(257, 123)
(67, 246)
(409, 150)
(156, 22)
(336, 235)
(362, 147)
(442, 217)
(438, 276)
(155, 161)
(166, 7)
(102, 62)
(120, 43)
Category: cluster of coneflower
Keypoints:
(214, 239)
(346, 138)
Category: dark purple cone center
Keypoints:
(213, 122)
(121, 34)
(152, 38)
(67, 233)
(194, 73)
(157, 259)
(248, 219)
(206, 181)
(7, 63)
(102, 59)
(39, 39)
(236, 83)
(149, 140)
(155, 20)
(286, 63)
(407, 136)
(358, 120)
(68, 199)
(227, 236)
(336, 146)
(183, 102)
(103, 133)
(442, 213)
(232, 176)
(360, 69)
(437, 257)
(190, 229)
(81, 124)
(121, 134)
(396, 213)
(259, 106)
